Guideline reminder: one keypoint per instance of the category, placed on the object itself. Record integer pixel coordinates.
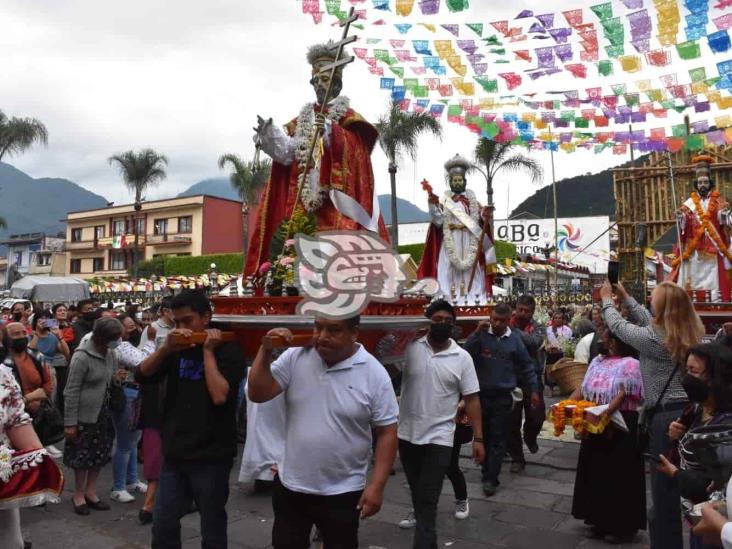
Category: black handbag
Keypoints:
(644, 435)
(117, 398)
(48, 424)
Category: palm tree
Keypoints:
(140, 171)
(398, 133)
(496, 157)
(247, 178)
(19, 134)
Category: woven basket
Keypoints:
(568, 374)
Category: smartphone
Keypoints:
(613, 271)
(654, 459)
(51, 323)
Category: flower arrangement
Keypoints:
(577, 418)
(568, 346)
(280, 274)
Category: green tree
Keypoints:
(247, 178)
(495, 157)
(19, 134)
(398, 134)
(140, 171)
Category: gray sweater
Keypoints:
(89, 375)
(656, 363)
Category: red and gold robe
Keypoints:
(345, 166)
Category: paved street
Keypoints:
(530, 510)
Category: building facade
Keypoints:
(35, 254)
(101, 242)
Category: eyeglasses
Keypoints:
(442, 321)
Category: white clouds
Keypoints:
(188, 78)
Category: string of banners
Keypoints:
(489, 75)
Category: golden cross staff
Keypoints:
(339, 61)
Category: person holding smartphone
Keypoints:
(708, 384)
(662, 341)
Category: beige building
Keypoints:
(101, 242)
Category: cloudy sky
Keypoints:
(188, 77)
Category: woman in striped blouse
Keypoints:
(662, 341)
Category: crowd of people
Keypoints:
(127, 387)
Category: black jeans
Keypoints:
(455, 474)
(181, 482)
(664, 516)
(295, 513)
(496, 410)
(534, 421)
(425, 467)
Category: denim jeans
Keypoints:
(496, 410)
(664, 516)
(425, 466)
(124, 460)
(206, 482)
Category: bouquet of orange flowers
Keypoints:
(569, 411)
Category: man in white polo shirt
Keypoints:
(335, 394)
(437, 372)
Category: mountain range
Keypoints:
(40, 205)
(31, 205)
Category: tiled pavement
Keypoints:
(531, 510)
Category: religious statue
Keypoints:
(459, 250)
(705, 259)
(335, 186)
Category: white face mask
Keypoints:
(114, 344)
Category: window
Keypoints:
(161, 226)
(118, 227)
(98, 264)
(185, 224)
(43, 260)
(99, 232)
(76, 235)
(75, 266)
(18, 258)
(117, 261)
(141, 225)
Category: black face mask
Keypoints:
(91, 316)
(19, 345)
(696, 389)
(135, 338)
(440, 332)
(17, 317)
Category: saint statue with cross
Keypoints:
(459, 251)
(321, 160)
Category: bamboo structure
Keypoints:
(643, 194)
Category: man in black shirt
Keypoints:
(199, 424)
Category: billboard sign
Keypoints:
(575, 238)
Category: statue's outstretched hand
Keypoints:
(262, 126)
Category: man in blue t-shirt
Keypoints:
(502, 363)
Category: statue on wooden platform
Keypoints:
(459, 250)
(705, 259)
(337, 189)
